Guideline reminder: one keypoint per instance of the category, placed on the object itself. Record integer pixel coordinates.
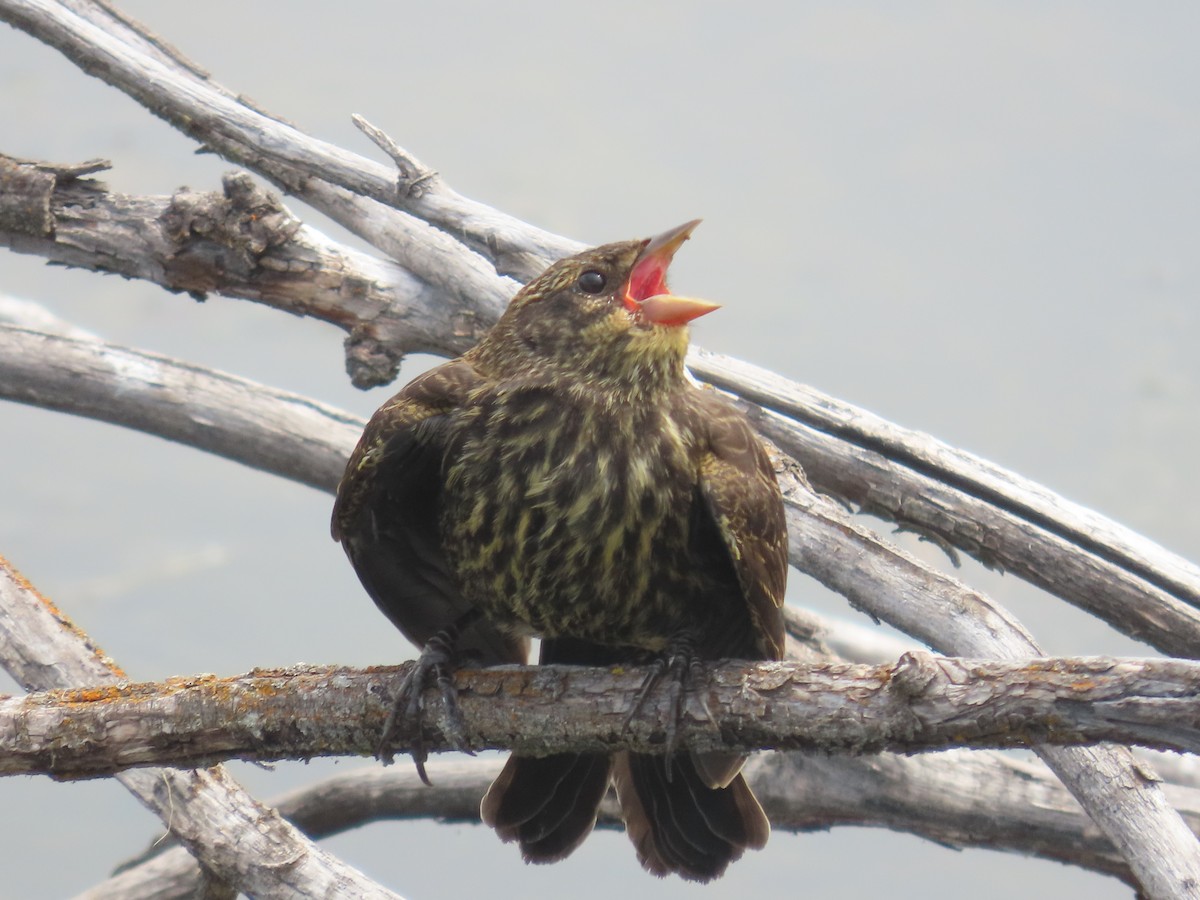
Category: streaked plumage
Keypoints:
(566, 479)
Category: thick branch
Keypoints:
(921, 703)
(957, 798)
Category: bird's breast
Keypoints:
(566, 514)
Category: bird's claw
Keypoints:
(435, 663)
(680, 666)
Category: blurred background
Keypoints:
(980, 220)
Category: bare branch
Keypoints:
(896, 588)
(921, 703)
(996, 516)
(413, 175)
(114, 51)
(328, 807)
(242, 242)
(280, 432)
(41, 648)
(958, 799)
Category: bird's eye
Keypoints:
(592, 282)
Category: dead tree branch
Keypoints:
(958, 799)
(115, 50)
(921, 703)
(242, 420)
(43, 649)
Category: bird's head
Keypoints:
(605, 314)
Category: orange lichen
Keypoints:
(97, 694)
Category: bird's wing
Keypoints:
(385, 516)
(740, 493)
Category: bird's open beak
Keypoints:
(647, 292)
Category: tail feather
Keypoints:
(686, 814)
(678, 802)
(511, 800)
(680, 824)
(677, 821)
(748, 825)
(579, 810)
(548, 804)
(716, 769)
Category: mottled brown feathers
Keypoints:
(565, 479)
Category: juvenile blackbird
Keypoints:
(565, 479)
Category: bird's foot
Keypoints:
(679, 666)
(435, 665)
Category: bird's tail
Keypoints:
(547, 804)
(679, 822)
(691, 814)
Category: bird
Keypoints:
(567, 479)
